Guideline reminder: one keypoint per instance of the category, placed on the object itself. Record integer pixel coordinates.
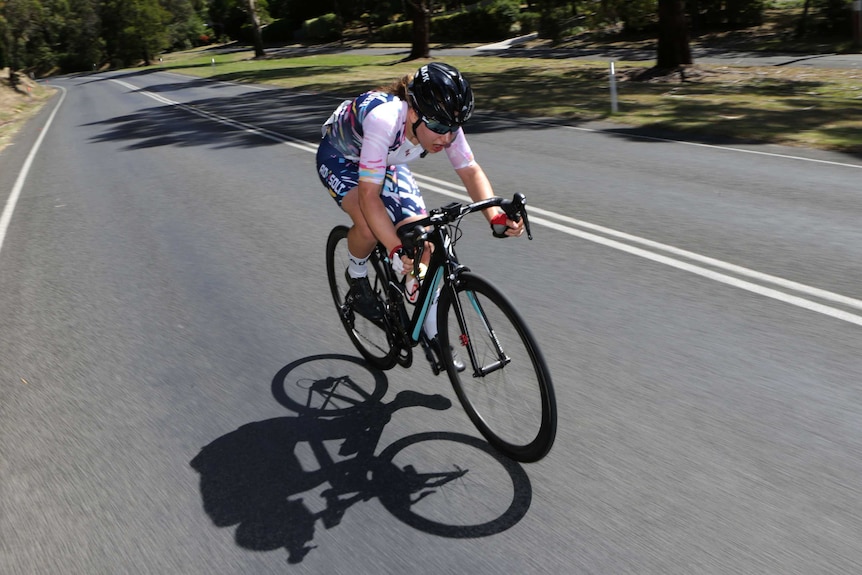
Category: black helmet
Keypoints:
(439, 92)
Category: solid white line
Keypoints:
(788, 284)
(781, 282)
(6, 217)
(710, 274)
(440, 186)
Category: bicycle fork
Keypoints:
(467, 342)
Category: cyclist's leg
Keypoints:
(401, 196)
(405, 204)
(360, 238)
(340, 177)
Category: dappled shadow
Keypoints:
(714, 107)
(721, 111)
(202, 122)
(627, 54)
(287, 73)
(282, 113)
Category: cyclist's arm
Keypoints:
(479, 188)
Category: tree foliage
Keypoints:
(72, 35)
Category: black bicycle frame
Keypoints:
(442, 256)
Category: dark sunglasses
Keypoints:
(439, 127)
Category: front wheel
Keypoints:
(506, 389)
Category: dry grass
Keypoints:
(17, 105)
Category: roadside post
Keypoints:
(613, 81)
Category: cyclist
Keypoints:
(362, 159)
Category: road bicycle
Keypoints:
(506, 387)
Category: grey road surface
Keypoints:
(163, 297)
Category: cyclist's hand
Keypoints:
(502, 226)
(400, 262)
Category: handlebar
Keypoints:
(415, 233)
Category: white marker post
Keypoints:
(613, 80)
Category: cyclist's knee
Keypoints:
(364, 234)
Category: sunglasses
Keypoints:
(439, 127)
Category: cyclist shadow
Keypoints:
(258, 477)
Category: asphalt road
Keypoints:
(162, 291)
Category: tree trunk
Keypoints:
(673, 41)
(802, 27)
(255, 29)
(421, 16)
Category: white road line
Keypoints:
(571, 227)
(446, 188)
(698, 270)
(12, 201)
(739, 270)
(717, 147)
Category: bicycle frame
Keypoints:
(444, 270)
(442, 257)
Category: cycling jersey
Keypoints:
(369, 130)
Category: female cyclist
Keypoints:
(362, 159)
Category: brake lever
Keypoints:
(519, 202)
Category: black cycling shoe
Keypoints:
(456, 361)
(365, 302)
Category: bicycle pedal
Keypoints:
(436, 366)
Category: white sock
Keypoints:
(357, 268)
(430, 325)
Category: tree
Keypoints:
(255, 29)
(187, 23)
(82, 46)
(420, 13)
(673, 40)
(21, 22)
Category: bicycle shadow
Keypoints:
(276, 479)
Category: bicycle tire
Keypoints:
(512, 405)
(373, 339)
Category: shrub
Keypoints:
(279, 31)
(325, 28)
(397, 32)
(493, 21)
(529, 21)
(552, 24)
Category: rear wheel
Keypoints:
(506, 389)
(373, 339)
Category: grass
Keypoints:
(19, 105)
(818, 108)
